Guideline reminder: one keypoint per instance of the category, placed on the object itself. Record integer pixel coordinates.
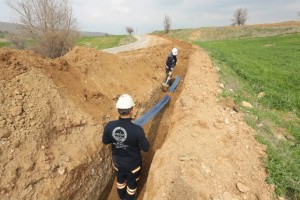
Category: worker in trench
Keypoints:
(170, 65)
(127, 140)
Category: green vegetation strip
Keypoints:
(105, 42)
(269, 66)
(4, 44)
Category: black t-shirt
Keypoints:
(171, 61)
(127, 139)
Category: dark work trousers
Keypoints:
(127, 182)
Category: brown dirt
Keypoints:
(52, 113)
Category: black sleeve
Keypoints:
(106, 136)
(169, 62)
(175, 61)
(143, 141)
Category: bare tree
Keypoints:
(167, 24)
(49, 23)
(240, 17)
(129, 30)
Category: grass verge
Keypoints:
(105, 42)
(266, 72)
(4, 44)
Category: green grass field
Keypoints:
(269, 65)
(4, 44)
(104, 42)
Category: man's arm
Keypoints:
(105, 136)
(175, 61)
(143, 141)
(169, 62)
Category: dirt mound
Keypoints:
(47, 143)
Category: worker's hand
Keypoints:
(170, 73)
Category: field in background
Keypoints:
(4, 44)
(220, 33)
(104, 42)
(265, 71)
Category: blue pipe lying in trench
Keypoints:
(175, 84)
(155, 109)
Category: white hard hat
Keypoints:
(174, 52)
(125, 102)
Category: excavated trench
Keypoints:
(156, 131)
(157, 128)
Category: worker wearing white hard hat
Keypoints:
(171, 64)
(127, 140)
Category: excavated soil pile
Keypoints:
(52, 113)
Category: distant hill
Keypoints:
(12, 28)
(91, 34)
(8, 27)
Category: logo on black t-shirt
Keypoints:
(119, 134)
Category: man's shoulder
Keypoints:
(138, 128)
(111, 123)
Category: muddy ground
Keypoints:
(52, 114)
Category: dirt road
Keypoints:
(52, 114)
(142, 42)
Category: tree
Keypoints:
(129, 30)
(49, 23)
(167, 24)
(240, 17)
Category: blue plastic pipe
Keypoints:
(153, 111)
(175, 84)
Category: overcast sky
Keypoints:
(113, 16)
